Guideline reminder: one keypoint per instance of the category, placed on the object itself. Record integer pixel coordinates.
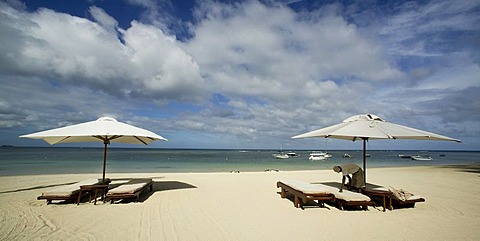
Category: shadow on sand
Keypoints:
(157, 186)
(472, 168)
(36, 187)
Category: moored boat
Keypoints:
(421, 158)
(280, 156)
(292, 154)
(346, 155)
(319, 156)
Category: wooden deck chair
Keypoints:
(348, 198)
(68, 192)
(403, 199)
(129, 190)
(304, 192)
(352, 199)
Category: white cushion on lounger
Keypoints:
(130, 187)
(350, 196)
(306, 187)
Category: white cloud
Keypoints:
(102, 18)
(292, 63)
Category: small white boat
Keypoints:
(421, 158)
(319, 156)
(292, 154)
(346, 155)
(280, 156)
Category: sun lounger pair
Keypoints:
(129, 190)
(304, 192)
(70, 192)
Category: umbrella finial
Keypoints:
(106, 118)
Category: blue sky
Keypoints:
(241, 74)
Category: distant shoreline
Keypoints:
(228, 149)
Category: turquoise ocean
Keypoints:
(67, 160)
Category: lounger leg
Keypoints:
(384, 203)
(79, 196)
(296, 201)
(95, 197)
(283, 193)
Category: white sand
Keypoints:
(244, 206)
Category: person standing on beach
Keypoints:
(356, 181)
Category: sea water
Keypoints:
(67, 160)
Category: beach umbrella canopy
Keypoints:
(368, 126)
(104, 129)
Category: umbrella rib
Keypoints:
(384, 132)
(64, 139)
(101, 138)
(136, 137)
(114, 137)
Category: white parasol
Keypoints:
(368, 126)
(104, 129)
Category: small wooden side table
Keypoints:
(385, 195)
(93, 189)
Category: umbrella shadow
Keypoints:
(37, 187)
(157, 186)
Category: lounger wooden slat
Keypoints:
(129, 190)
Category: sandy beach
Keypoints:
(244, 206)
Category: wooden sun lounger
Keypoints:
(352, 199)
(407, 203)
(129, 190)
(304, 192)
(69, 192)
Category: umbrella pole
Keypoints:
(365, 160)
(104, 160)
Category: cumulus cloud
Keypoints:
(75, 51)
(265, 56)
(102, 18)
